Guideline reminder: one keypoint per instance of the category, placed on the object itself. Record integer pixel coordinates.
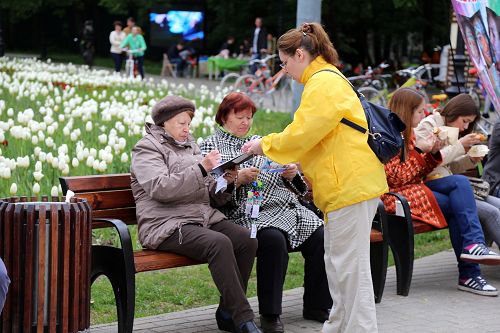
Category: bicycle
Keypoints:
(372, 84)
(229, 80)
(130, 66)
(262, 85)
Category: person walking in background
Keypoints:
(116, 37)
(283, 223)
(346, 175)
(130, 24)
(4, 284)
(259, 42)
(87, 43)
(136, 47)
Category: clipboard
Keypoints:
(220, 169)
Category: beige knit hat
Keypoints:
(169, 107)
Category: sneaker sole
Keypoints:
(478, 292)
(484, 260)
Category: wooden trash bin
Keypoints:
(46, 249)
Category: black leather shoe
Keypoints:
(224, 320)
(271, 324)
(319, 315)
(249, 327)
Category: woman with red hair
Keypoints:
(283, 223)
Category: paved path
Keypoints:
(434, 305)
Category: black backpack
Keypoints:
(384, 127)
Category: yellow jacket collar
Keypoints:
(317, 64)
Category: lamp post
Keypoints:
(307, 11)
(457, 81)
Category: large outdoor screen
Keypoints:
(175, 25)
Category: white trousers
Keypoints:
(347, 263)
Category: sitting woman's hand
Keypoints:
(290, 172)
(438, 145)
(477, 159)
(211, 160)
(230, 175)
(247, 175)
(469, 140)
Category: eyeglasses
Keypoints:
(284, 63)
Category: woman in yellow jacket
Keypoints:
(347, 178)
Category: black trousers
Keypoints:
(230, 253)
(272, 264)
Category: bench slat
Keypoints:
(149, 260)
(109, 199)
(421, 227)
(95, 183)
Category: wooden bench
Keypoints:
(111, 199)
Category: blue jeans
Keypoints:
(456, 200)
(4, 284)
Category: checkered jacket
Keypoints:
(280, 208)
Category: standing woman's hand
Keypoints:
(290, 172)
(253, 147)
(210, 161)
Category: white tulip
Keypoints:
(50, 129)
(124, 158)
(38, 166)
(102, 138)
(2, 135)
(49, 158)
(90, 161)
(10, 113)
(102, 166)
(88, 126)
(34, 140)
(93, 152)
(73, 136)
(65, 170)
(36, 188)
(49, 142)
(75, 162)
(38, 175)
(37, 151)
(13, 189)
(54, 191)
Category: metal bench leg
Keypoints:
(109, 261)
(378, 263)
(401, 242)
(378, 254)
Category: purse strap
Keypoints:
(344, 120)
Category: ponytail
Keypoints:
(312, 38)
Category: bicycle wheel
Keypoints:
(252, 86)
(372, 95)
(228, 81)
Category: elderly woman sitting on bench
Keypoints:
(173, 191)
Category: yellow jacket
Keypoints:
(334, 157)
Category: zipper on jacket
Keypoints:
(180, 233)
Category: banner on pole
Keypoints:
(479, 22)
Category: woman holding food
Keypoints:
(461, 113)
